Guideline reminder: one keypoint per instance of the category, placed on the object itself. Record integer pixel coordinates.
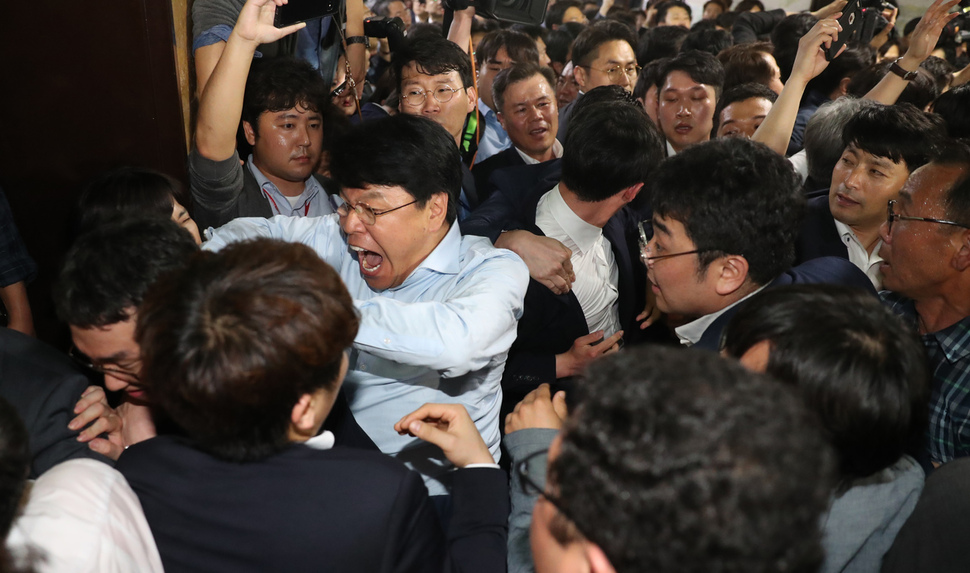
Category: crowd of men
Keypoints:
(611, 294)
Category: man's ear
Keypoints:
(501, 119)
(732, 274)
(579, 73)
(598, 562)
(250, 132)
(472, 99)
(961, 259)
(438, 211)
(303, 417)
(631, 192)
(843, 86)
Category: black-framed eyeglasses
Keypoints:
(894, 216)
(339, 90)
(442, 94)
(645, 249)
(82, 360)
(616, 73)
(367, 214)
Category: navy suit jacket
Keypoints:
(825, 270)
(818, 236)
(304, 509)
(550, 323)
(483, 171)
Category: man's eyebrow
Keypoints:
(657, 225)
(116, 358)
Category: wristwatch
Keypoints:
(358, 40)
(899, 71)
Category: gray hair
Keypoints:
(823, 134)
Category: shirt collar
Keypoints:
(444, 259)
(690, 333)
(310, 187)
(954, 340)
(670, 150)
(584, 235)
(556, 151)
(846, 232)
(484, 109)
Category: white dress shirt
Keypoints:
(859, 256)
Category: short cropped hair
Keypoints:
(899, 132)
(519, 73)
(693, 464)
(557, 45)
(954, 107)
(232, 342)
(742, 92)
(734, 197)
(785, 37)
(586, 46)
(662, 42)
(109, 269)
(132, 190)
(400, 151)
(518, 45)
(433, 55)
(855, 363)
(648, 77)
(956, 199)
(823, 136)
(702, 67)
(608, 147)
(278, 84)
(746, 63)
(855, 58)
(713, 41)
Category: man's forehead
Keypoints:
(878, 160)
(371, 193)
(529, 89)
(296, 112)
(615, 52)
(414, 73)
(682, 81)
(929, 183)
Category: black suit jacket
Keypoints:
(825, 270)
(43, 385)
(818, 236)
(550, 323)
(483, 171)
(304, 509)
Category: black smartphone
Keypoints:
(851, 22)
(303, 11)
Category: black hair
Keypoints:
(713, 41)
(855, 58)
(232, 341)
(109, 269)
(574, 28)
(734, 197)
(741, 92)
(662, 42)
(666, 5)
(519, 47)
(899, 132)
(534, 31)
(940, 70)
(746, 63)
(956, 200)
(726, 20)
(785, 37)
(954, 107)
(702, 67)
(586, 46)
(648, 77)
(128, 190)
(693, 464)
(557, 45)
(555, 13)
(823, 136)
(433, 55)
(610, 145)
(911, 25)
(405, 151)
(855, 363)
(518, 73)
(277, 84)
(705, 25)
(747, 5)
(920, 91)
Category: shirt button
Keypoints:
(363, 367)
(387, 341)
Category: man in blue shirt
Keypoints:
(438, 310)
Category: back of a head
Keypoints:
(518, 46)
(433, 55)
(693, 464)
(557, 46)
(785, 37)
(232, 341)
(920, 91)
(662, 42)
(734, 197)
(586, 46)
(400, 151)
(855, 363)
(609, 146)
(746, 63)
(108, 269)
(855, 58)
(712, 41)
(131, 191)
(900, 132)
(702, 67)
(823, 135)
(954, 107)
(278, 84)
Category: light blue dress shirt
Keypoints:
(441, 336)
(494, 138)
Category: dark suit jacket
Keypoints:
(550, 323)
(825, 270)
(310, 510)
(818, 236)
(43, 385)
(483, 171)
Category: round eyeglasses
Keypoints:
(616, 73)
(645, 249)
(894, 216)
(366, 213)
(119, 373)
(416, 97)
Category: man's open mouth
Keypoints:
(369, 260)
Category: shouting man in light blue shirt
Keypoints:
(438, 310)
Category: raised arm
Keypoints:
(775, 131)
(921, 45)
(220, 106)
